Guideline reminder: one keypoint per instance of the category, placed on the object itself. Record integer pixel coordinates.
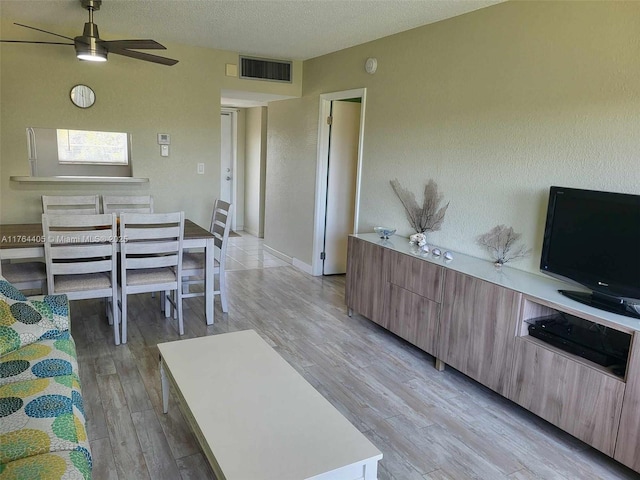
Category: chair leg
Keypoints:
(116, 326)
(223, 291)
(167, 304)
(178, 299)
(175, 299)
(123, 318)
(109, 315)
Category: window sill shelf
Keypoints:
(78, 179)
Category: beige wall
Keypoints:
(291, 162)
(496, 106)
(133, 96)
(256, 139)
(239, 207)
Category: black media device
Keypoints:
(602, 345)
(592, 238)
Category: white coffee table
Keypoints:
(256, 417)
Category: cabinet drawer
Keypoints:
(577, 398)
(366, 282)
(416, 275)
(414, 318)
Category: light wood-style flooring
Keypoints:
(428, 424)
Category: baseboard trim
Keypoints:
(255, 233)
(278, 254)
(299, 264)
(305, 267)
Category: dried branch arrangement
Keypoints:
(500, 242)
(429, 216)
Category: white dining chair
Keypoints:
(193, 263)
(127, 204)
(26, 276)
(71, 204)
(81, 259)
(151, 260)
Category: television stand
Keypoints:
(603, 302)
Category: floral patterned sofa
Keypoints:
(42, 423)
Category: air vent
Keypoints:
(265, 69)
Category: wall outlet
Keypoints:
(201, 169)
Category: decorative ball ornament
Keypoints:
(436, 252)
(448, 256)
(371, 65)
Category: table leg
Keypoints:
(165, 387)
(209, 286)
(371, 470)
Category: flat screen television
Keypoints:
(592, 238)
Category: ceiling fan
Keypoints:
(89, 45)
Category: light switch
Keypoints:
(201, 169)
(164, 150)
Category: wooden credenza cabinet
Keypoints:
(477, 328)
(366, 289)
(474, 318)
(414, 296)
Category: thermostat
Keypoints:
(164, 139)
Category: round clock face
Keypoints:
(82, 96)
(371, 65)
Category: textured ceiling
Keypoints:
(286, 29)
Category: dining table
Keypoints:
(26, 241)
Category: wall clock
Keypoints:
(82, 96)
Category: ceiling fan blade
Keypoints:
(112, 45)
(44, 31)
(29, 41)
(144, 56)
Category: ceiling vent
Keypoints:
(265, 69)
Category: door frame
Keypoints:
(234, 159)
(323, 164)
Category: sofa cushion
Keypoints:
(41, 416)
(46, 358)
(67, 465)
(25, 321)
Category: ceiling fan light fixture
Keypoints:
(87, 48)
(92, 56)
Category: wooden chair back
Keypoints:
(81, 258)
(71, 204)
(220, 227)
(127, 204)
(151, 259)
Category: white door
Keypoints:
(341, 184)
(226, 159)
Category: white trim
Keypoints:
(321, 169)
(300, 265)
(278, 254)
(234, 160)
(297, 263)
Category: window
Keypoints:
(92, 148)
(56, 152)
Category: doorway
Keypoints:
(340, 139)
(228, 159)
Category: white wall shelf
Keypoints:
(78, 179)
